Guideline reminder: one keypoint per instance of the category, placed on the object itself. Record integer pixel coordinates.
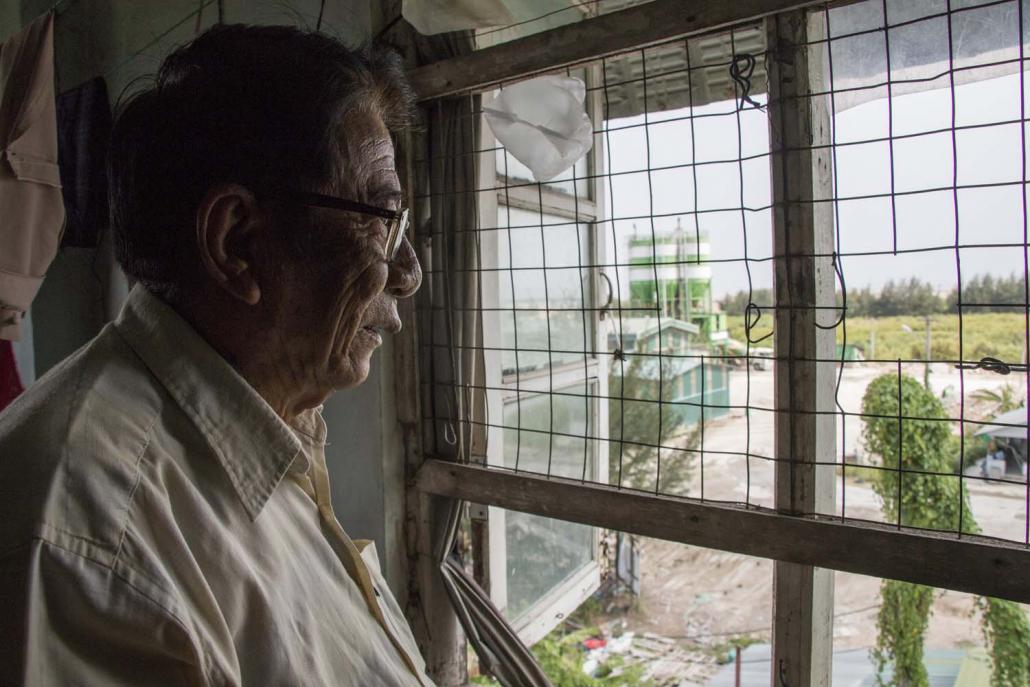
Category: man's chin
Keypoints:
(352, 372)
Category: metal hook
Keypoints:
(449, 435)
(749, 324)
(743, 79)
(611, 294)
(783, 674)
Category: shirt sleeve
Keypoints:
(69, 619)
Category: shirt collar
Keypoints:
(252, 443)
(310, 429)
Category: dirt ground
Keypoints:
(704, 598)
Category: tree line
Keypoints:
(982, 293)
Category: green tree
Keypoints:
(923, 443)
(990, 293)
(639, 424)
(994, 402)
(736, 304)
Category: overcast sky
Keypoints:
(985, 155)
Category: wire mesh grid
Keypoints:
(606, 356)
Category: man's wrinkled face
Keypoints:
(338, 294)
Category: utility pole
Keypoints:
(926, 350)
(926, 355)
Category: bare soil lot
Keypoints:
(704, 599)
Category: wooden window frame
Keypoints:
(805, 547)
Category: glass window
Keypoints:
(544, 296)
(547, 433)
(542, 553)
(572, 181)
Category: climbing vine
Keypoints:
(1008, 634)
(927, 445)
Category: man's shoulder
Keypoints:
(71, 445)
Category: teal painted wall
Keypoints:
(688, 404)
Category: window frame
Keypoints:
(804, 546)
(495, 192)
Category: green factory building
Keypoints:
(673, 266)
(684, 323)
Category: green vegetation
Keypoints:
(994, 326)
(911, 297)
(998, 335)
(561, 656)
(638, 425)
(928, 501)
(994, 402)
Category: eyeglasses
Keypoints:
(396, 220)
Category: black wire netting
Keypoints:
(627, 306)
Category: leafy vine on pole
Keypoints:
(926, 444)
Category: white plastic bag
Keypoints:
(543, 123)
(430, 17)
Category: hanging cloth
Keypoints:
(83, 136)
(10, 382)
(543, 122)
(31, 207)
(458, 365)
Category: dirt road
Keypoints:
(704, 598)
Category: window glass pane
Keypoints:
(543, 290)
(547, 433)
(542, 553)
(571, 181)
(666, 614)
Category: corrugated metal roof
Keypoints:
(855, 668)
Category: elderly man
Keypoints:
(166, 517)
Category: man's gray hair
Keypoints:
(254, 105)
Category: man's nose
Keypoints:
(405, 274)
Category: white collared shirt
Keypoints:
(161, 525)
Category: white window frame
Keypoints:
(539, 619)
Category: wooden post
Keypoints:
(804, 291)
(427, 605)
(971, 564)
(626, 30)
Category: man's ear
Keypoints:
(227, 219)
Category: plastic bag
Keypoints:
(543, 123)
(430, 17)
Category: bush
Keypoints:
(926, 445)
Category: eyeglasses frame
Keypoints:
(397, 220)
